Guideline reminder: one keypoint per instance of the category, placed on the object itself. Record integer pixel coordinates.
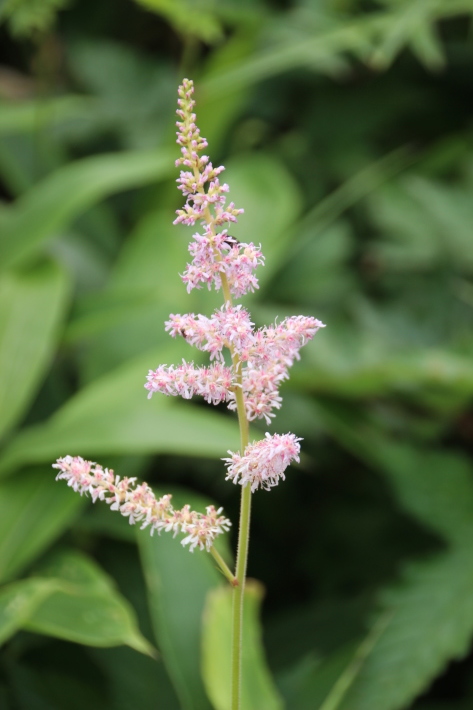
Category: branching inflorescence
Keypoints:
(139, 504)
(260, 358)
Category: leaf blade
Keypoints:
(257, 689)
(32, 306)
(60, 197)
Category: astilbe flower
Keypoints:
(264, 357)
(214, 252)
(263, 462)
(261, 358)
(139, 504)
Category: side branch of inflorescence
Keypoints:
(139, 504)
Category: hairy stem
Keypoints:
(238, 581)
(242, 557)
(223, 566)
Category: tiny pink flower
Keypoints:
(213, 383)
(264, 462)
(139, 504)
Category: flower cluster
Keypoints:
(260, 358)
(264, 357)
(212, 383)
(263, 462)
(139, 504)
(214, 252)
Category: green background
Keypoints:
(346, 130)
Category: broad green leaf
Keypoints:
(188, 17)
(436, 487)
(257, 689)
(32, 305)
(18, 602)
(49, 206)
(112, 415)
(178, 582)
(34, 511)
(29, 116)
(431, 624)
(87, 609)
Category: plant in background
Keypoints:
(246, 370)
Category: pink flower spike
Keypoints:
(139, 504)
(213, 383)
(264, 462)
(206, 199)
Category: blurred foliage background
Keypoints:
(346, 129)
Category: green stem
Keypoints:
(223, 566)
(242, 558)
(238, 594)
(238, 581)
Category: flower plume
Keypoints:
(213, 252)
(248, 379)
(139, 504)
(260, 358)
(263, 463)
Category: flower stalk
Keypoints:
(260, 362)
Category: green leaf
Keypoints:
(31, 116)
(46, 208)
(178, 583)
(188, 18)
(32, 305)
(112, 415)
(432, 624)
(436, 487)
(257, 689)
(18, 602)
(87, 608)
(34, 511)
